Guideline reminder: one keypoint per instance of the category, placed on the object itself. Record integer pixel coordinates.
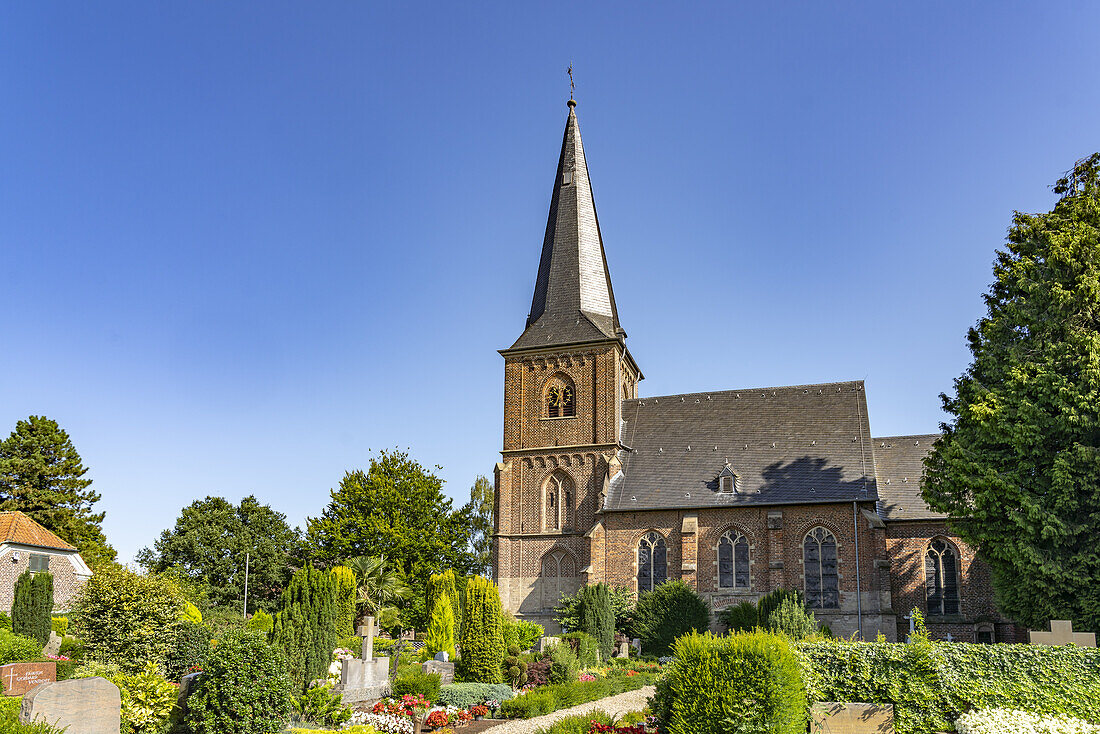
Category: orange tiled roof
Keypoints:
(15, 527)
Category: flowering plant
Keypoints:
(436, 719)
(1007, 721)
(586, 678)
(384, 723)
(597, 728)
(57, 657)
(493, 703)
(480, 710)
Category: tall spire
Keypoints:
(573, 300)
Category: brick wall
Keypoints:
(66, 581)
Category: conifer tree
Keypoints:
(445, 586)
(346, 587)
(441, 629)
(32, 607)
(305, 625)
(1017, 469)
(482, 632)
(597, 619)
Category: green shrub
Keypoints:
(930, 684)
(584, 646)
(5, 621)
(15, 647)
(147, 699)
(482, 633)
(564, 665)
(515, 670)
(305, 625)
(261, 622)
(752, 680)
(465, 695)
(192, 648)
(567, 612)
(72, 648)
(446, 586)
(771, 601)
(243, 674)
(791, 618)
(741, 617)
(60, 625)
(547, 699)
(128, 618)
(597, 619)
(9, 708)
(669, 611)
(355, 644)
(346, 589)
(221, 620)
(321, 707)
(521, 632)
(441, 629)
(579, 724)
(417, 681)
(30, 612)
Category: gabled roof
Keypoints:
(573, 300)
(899, 466)
(15, 527)
(799, 444)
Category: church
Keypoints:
(734, 491)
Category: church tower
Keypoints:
(564, 382)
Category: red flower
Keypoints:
(480, 710)
(436, 718)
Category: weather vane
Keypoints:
(569, 71)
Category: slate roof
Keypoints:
(15, 527)
(899, 465)
(573, 300)
(797, 444)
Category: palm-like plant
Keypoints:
(381, 587)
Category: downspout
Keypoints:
(859, 587)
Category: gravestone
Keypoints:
(442, 656)
(852, 718)
(446, 671)
(622, 650)
(1061, 633)
(365, 679)
(636, 643)
(53, 645)
(21, 677)
(84, 706)
(546, 642)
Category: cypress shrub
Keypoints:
(305, 625)
(346, 588)
(445, 586)
(482, 633)
(669, 611)
(440, 637)
(771, 601)
(31, 610)
(741, 617)
(597, 619)
(744, 682)
(260, 622)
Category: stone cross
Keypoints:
(1061, 633)
(950, 637)
(366, 631)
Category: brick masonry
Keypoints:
(66, 567)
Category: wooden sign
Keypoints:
(18, 678)
(852, 718)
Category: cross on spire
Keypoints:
(569, 71)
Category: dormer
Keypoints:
(728, 480)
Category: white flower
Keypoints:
(1007, 721)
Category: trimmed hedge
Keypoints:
(931, 684)
(15, 647)
(751, 680)
(417, 681)
(245, 688)
(548, 699)
(465, 695)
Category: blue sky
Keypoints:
(242, 245)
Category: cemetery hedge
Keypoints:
(931, 684)
(245, 688)
(550, 698)
(15, 647)
(417, 681)
(465, 695)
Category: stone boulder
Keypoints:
(81, 706)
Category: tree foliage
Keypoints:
(42, 476)
(305, 625)
(482, 633)
(346, 587)
(397, 509)
(479, 511)
(381, 588)
(444, 586)
(31, 611)
(669, 611)
(597, 619)
(1017, 469)
(441, 629)
(567, 612)
(209, 542)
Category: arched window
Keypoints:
(558, 504)
(733, 561)
(941, 578)
(652, 562)
(557, 578)
(820, 564)
(561, 398)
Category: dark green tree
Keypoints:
(208, 545)
(1017, 469)
(479, 510)
(669, 611)
(305, 625)
(395, 509)
(42, 476)
(597, 619)
(482, 633)
(30, 611)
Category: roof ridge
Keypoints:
(747, 389)
(907, 435)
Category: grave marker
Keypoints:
(1061, 633)
(19, 678)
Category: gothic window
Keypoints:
(941, 578)
(820, 563)
(558, 508)
(558, 572)
(652, 562)
(733, 561)
(561, 398)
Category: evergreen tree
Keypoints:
(445, 586)
(32, 607)
(42, 476)
(305, 625)
(346, 588)
(1017, 469)
(482, 632)
(441, 629)
(597, 618)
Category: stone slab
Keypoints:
(852, 718)
(82, 706)
(53, 645)
(19, 678)
(446, 671)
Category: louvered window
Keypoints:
(733, 561)
(39, 562)
(819, 559)
(941, 578)
(561, 401)
(652, 562)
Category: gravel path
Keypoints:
(614, 705)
